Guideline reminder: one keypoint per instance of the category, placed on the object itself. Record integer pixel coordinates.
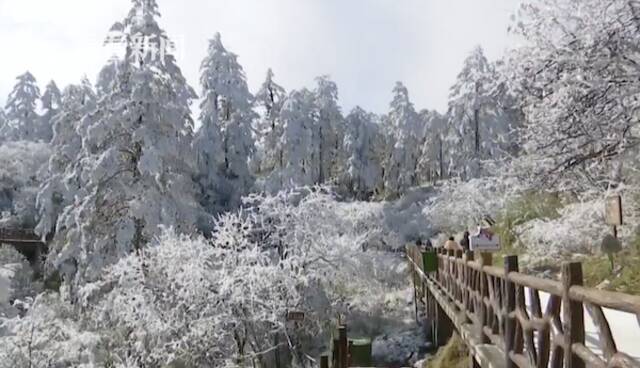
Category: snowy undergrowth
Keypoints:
(193, 302)
(461, 205)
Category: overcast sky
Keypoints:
(364, 45)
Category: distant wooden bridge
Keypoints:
(500, 312)
(27, 242)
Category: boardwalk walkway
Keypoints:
(509, 319)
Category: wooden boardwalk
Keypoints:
(27, 242)
(19, 236)
(488, 307)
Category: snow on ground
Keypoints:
(625, 328)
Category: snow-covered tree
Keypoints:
(64, 174)
(362, 165)
(227, 107)
(3, 121)
(328, 128)
(51, 104)
(478, 119)
(22, 118)
(135, 162)
(402, 163)
(107, 79)
(431, 165)
(208, 146)
(578, 74)
(299, 165)
(21, 165)
(269, 101)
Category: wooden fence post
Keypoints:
(486, 259)
(324, 361)
(416, 278)
(342, 347)
(572, 314)
(510, 265)
(468, 281)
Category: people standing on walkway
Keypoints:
(452, 245)
(464, 242)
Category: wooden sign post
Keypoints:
(613, 212)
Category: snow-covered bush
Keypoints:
(48, 336)
(579, 228)
(223, 301)
(339, 241)
(465, 204)
(21, 173)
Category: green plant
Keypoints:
(523, 208)
(53, 282)
(611, 246)
(596, 269)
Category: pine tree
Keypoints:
(362, 167)
(431, 165)
(299, 164)
(329, 128)
(22, 118)
(402, 164)
(227, 107)
(51, 104)
(269, 101)
(475, 114)
(107, 79)
(135, 161)
(65, 164)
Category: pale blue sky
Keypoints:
(364, 45)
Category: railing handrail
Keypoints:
(21, 232)
(498, 303)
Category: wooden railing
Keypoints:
(15, 235)
(488, 307)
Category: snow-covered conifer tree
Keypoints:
(64, 177)
(22, 118)
(135, 160)
(329, 128)
(227, 108)
(107, 79)
(269, 101)
(51, 104)
(299, 165)
(363, 169)
(479, 121)
(402, 164)
(431, 165)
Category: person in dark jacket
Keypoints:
(464, 242)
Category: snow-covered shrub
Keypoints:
(579, 228)
(20, 176)
(17, 288)
(197, 302)
(465, 204)
(48, 336)
(341, 243)
(403, 220)
(223, 301)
